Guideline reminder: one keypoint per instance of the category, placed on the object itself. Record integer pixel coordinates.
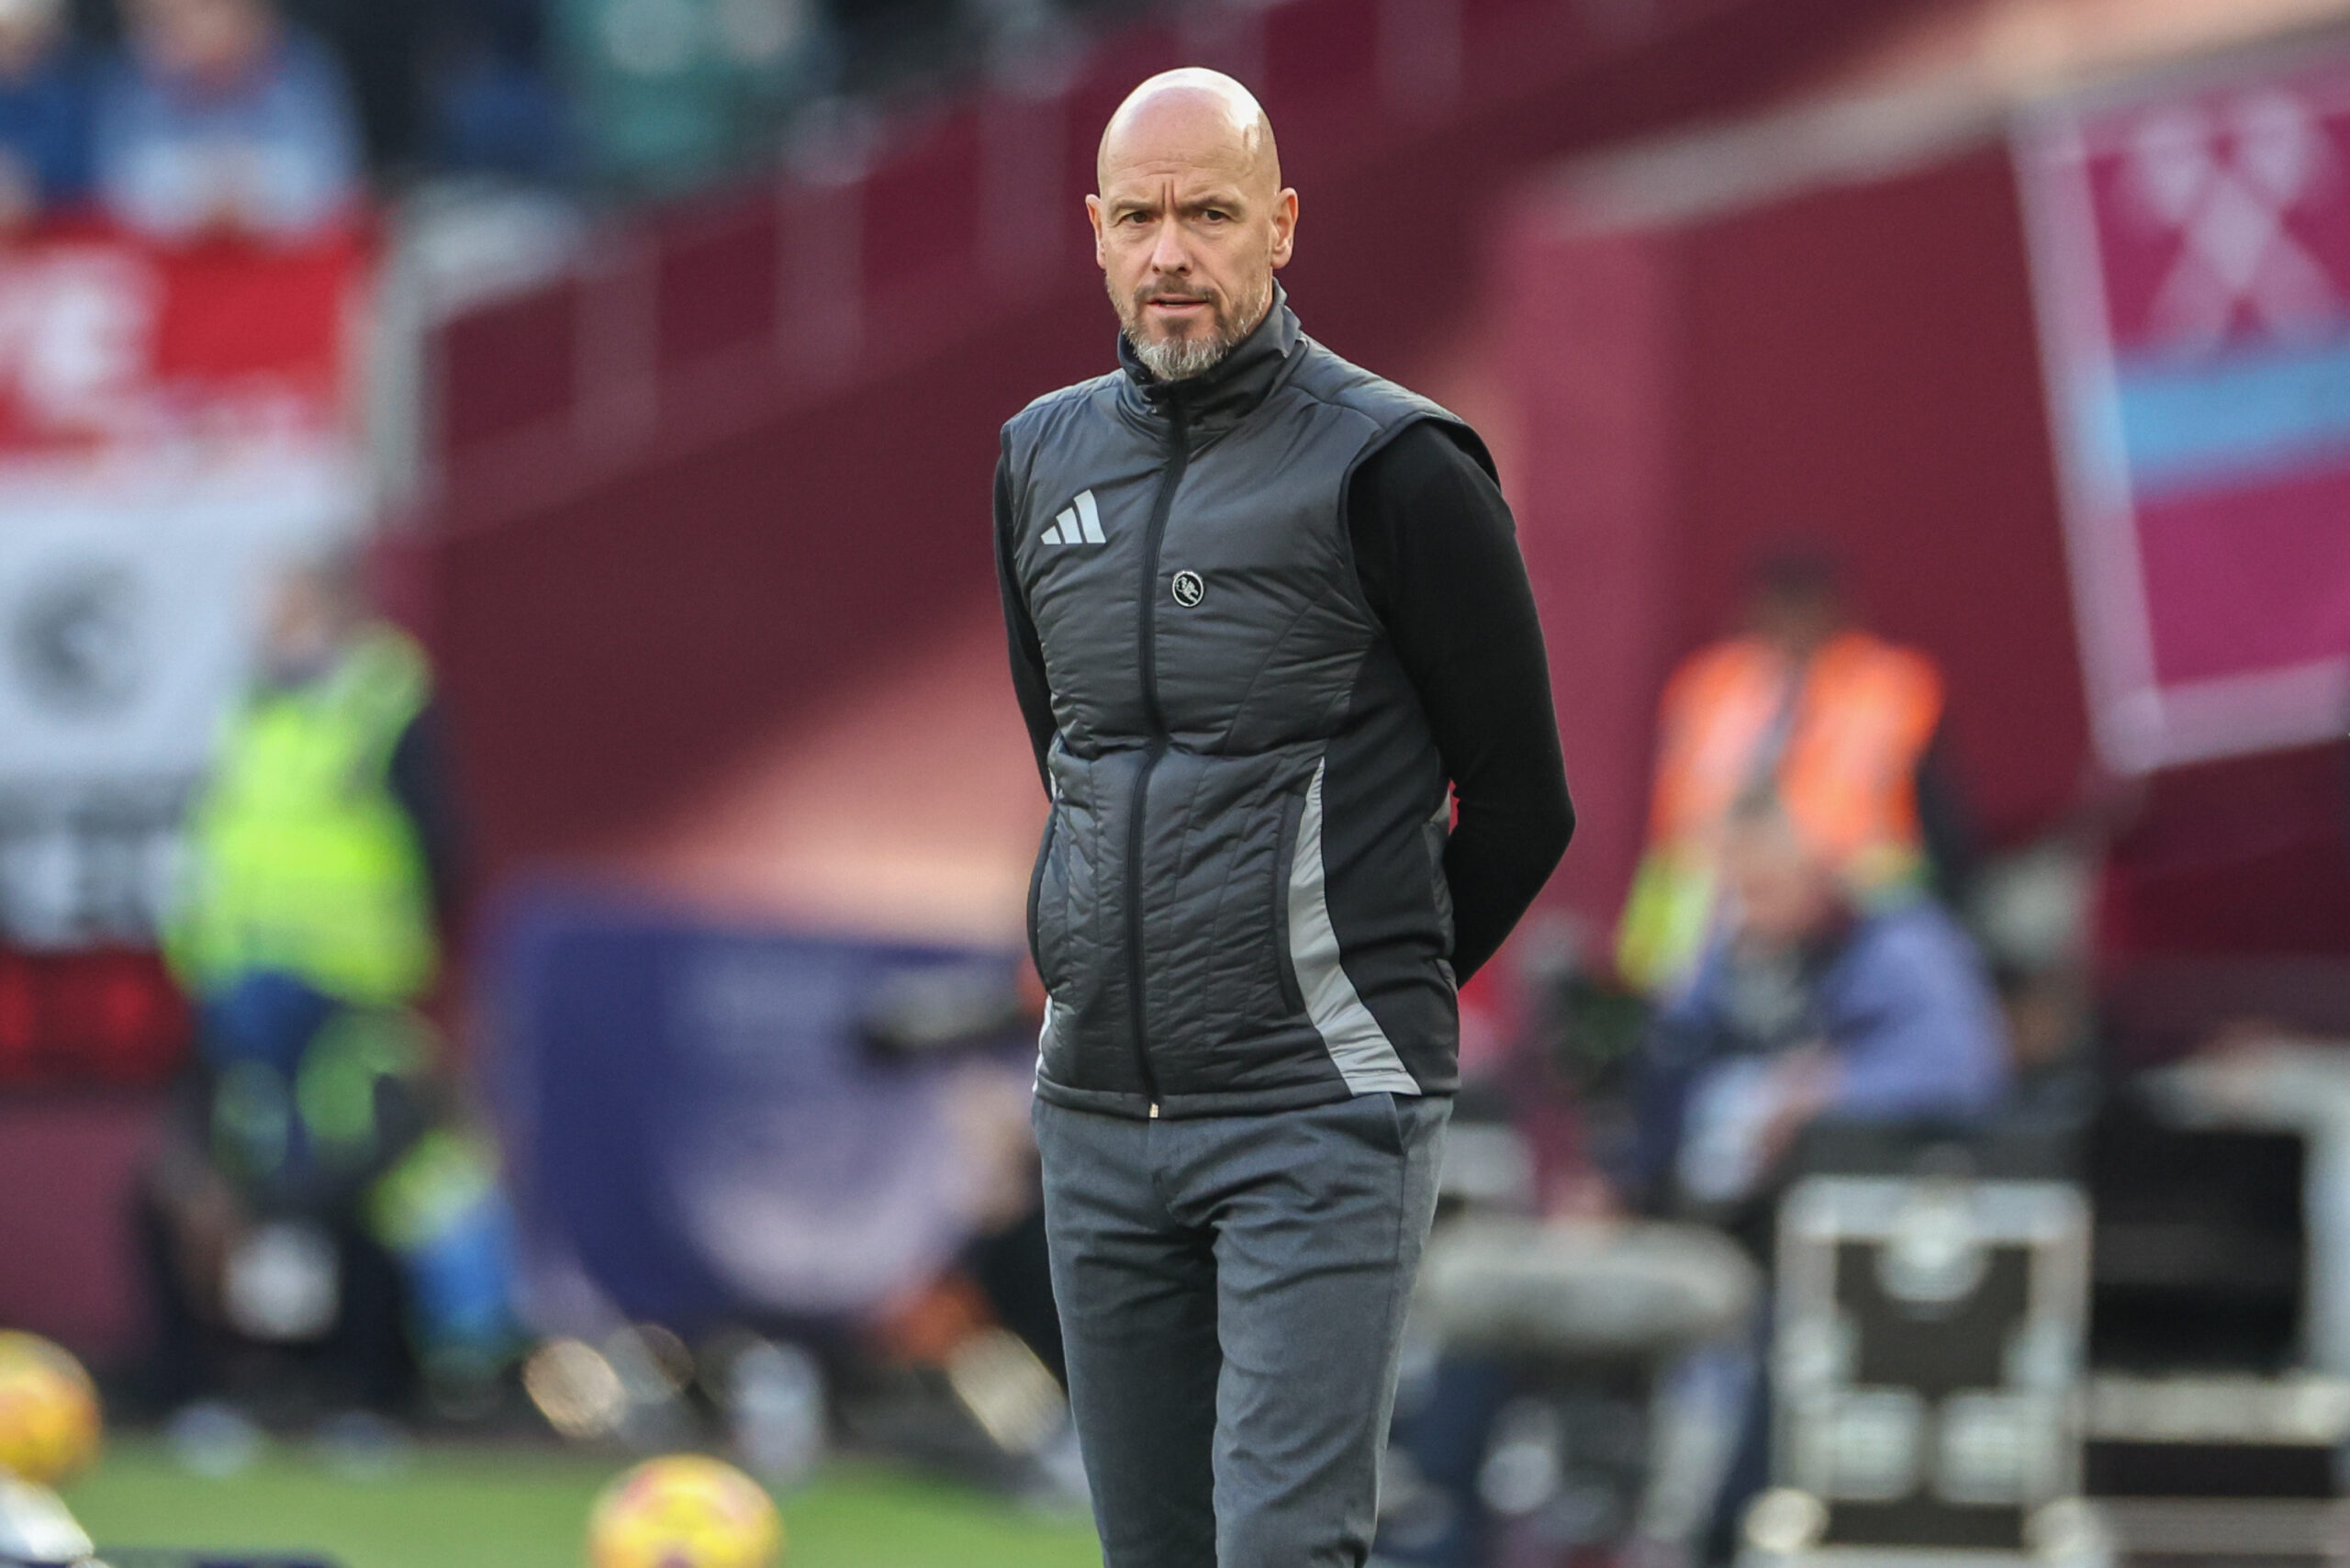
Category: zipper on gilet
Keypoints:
(1146, 649)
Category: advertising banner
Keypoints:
(171, 423)
(2192, 259)
(701, 1127)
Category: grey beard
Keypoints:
(1182, 358)
(1186, 357)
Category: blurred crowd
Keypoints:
(181, 118)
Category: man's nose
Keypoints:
(1167, 252)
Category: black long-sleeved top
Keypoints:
(1437, 553)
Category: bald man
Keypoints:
(1280, 664)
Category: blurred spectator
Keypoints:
(887, 42)
(380, 45)
(316, 1188)
(45, 108)
(673, 94)
(492, 107)
(1840, 724)
(450, 85)
(1811, 1007)
(223, 120)
(324, 845)
(2050, 1028)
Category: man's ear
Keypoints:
(1285, 228)
(1094, 215)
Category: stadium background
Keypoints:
(672, 446)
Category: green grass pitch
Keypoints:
(489, 1508)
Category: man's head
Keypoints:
(1795, 601)
(204, 40)
(1192, 219)
(28, 30)
(316, 607)
(1783, 888)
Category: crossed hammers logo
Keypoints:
(2225, 177)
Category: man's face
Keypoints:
(308, 623)
(1783, 892)
(1189, 227)
(208, 39)
(28, 29)
(1797, 620)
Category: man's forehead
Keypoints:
(1147, 179)
(1191, 125)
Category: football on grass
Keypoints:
(49, 1423)
(683, 1511)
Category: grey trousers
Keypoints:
(1232, 1292)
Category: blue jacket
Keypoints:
(45, 121)
(1902, 1002)
(281, 146)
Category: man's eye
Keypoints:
(1215, 215)
(1136, 218)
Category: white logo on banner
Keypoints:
(125, 619)
(2226, 177)
(155, 465)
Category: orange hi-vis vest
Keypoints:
(1849, 736)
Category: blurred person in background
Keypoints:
(452, 86)
(324, 845)
(1840, 724)
(320, 1186)
(381, 45)
(491, 105)
(883, 42)
(222, 121)
(1814, 1005)
(46, 100)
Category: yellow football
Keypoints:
(49, 1420)
(683, 1511)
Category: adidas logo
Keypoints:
(1081, 523)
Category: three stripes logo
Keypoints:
(1079, 524)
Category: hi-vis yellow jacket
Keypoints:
(301, 860)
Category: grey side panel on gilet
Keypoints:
(1217, 911)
